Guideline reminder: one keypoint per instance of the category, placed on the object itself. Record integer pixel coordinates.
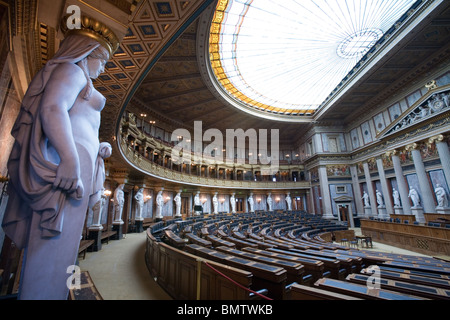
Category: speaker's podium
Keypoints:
(198, 210)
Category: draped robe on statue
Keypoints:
(37, 212)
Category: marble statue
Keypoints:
(379, 199)
(366, 199)
(97, 197)
(197, 201)
(177, 200)
(288, 202)
(119, 200)
(396, 197)
(159, 204)
(215, 203)
(269, 201)
(53, 159)
(441, 196)
(233, 203)
(251, 202)
(139, 197)
(414, 195)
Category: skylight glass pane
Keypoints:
(290, 54)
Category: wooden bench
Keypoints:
(84, 245)
(173, 239)
(414, 272)
(295, 270)
(313, 267)
(147, 222)
(330, 264)
(241, 243)
(419, 267)
(192, 238)
(419, 279)
(107, 234)
(265, 276)
(302, 292)
(351, 264)
(362, 291)
(216, 241)
(404, 287)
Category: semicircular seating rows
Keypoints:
(283, 256)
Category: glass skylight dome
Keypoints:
(287, 56)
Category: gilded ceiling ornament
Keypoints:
(95, 30)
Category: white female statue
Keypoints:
(414, 195)
(197, 204)
(139, 197)
(269, 201)
(379, 199)
(288, 202)
(52, 163)
(97, 198)
(177, 200)
(159, 204)
(396, 197)
(366, 199)
(251, 202)
(441, 196)
(233, 203)
(119, 200)
(215, 203)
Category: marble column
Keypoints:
(384, 187)
(427, 196)
(357, 191)
(444, 155)
(401, 183)
(370, 191)
(325, 191)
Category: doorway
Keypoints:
(184, 206)
(343, 213)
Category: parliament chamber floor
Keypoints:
(119, 269)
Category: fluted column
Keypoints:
(325, 191)
(401, 183)
(373, 200)
(427, 196)
(444, 155)
(384, 187)
(357, 191)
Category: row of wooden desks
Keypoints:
(265, 276)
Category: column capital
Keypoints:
(412, 146)
(438, 138)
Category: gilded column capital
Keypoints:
(412, 146)
(438, 138)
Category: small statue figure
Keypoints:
(441, 196)
(251, 202)
(139, 197)
(366, 199)
(396, 197)
(414, 195)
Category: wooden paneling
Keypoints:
(176, 271)
(418, 238)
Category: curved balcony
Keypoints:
(151, 156)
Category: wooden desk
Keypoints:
(419, 238)
(362, 291)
